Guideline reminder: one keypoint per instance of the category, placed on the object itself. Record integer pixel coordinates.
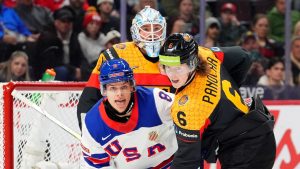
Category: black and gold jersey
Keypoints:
(211, 101)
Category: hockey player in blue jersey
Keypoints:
(130, 127)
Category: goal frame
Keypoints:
(8, 135)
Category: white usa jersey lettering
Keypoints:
(147, 140)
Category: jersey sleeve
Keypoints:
(93, 155)
(163, 102)
(237, 62)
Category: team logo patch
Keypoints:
(115, 66)
(121, 46)
(215, 49)
(183, 100)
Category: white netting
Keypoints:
(36, 138)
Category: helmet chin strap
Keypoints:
(190, 78)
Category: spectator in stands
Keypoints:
(231, 27)
(170, 7)
(140, 4)
(91, 41)
(268, 48)
(105, 8)
(295, 59)
(274, 73)
(212, 31)
(13, 32)
(276, 18)
(59, 48)
(296, 29)
(255, 72)
(52, 5)
(186, 21)
(35, 17)
(112, 37)
(77, 6)
(9, 3)
(16, 68)
(273, 82)
(248, 41)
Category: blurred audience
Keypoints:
(170, 7)
(15, 68)
(273, 82)
(77, 6)
(212, 32)
(295, 60)
(109, 22)
(59, 48)
(277, 18)
(297, 29)
(13, 32)
(9, 3)
(186, 21)
(52, 5)
(274, 73)
(112, 37)
(268, 48)
(231, 29)
(91, 41)
(255, 72)
(140, 4)
(35, 17)
(248, 41)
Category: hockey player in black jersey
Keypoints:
(211, 119)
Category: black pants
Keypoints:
(255, 153)
(188, 156)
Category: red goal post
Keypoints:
(27, 136)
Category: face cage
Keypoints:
(150, 43)
(103, 87)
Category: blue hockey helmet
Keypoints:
(115, 70)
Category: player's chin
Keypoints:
(176, 84)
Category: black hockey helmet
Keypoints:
(179, 48)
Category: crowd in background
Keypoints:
(68, 35)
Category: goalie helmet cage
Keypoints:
(28, 137)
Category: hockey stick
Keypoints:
(46, 114)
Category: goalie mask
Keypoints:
(148, 30)
(113, 71)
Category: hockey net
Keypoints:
(28, 135)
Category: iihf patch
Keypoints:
(183, 100)
(215, 49)
(121, 46)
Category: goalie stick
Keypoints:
(46, 114)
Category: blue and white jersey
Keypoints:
(110, 144)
